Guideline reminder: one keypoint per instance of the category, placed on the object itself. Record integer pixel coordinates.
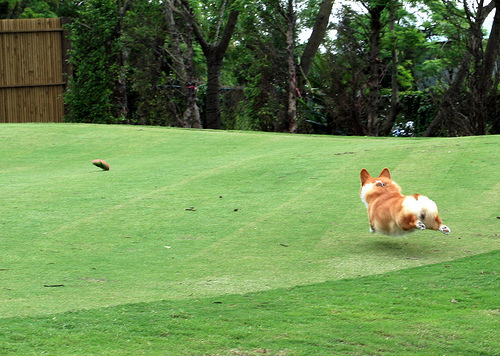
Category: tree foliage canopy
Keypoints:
(375, 67)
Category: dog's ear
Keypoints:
(385, 173)
(364, 175)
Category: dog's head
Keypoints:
(371, 186)
(383, 178)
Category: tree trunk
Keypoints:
(395, 108)
(121, 83)
(317, 35)
(483, 77)
(18, 9)
(448, 111)
(214, 55)
(292, 74)
(183, 67)
(449, 116)
(375, 70)
(212, 109)
(191, 115)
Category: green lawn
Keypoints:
(217, 242)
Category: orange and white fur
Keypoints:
(392, 213)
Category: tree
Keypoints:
(182, 62)
(375, 10)
(320, 25)
(321, 22)
(396, 106)
(214, 52)
(281, 20)
(338, 105)
(96, 47)
(484, 65)
(140, 61)
(122, 62)
(259, 65)
(464, 105)
(19, 9)
(292, 88)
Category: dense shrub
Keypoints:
(95, 47)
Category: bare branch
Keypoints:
(219, 23)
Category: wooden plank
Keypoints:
(32, 85)
(31, 31)
(30, 24)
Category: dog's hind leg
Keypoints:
(433, 222)
(409, 222)
(420, 225)
(444, 229)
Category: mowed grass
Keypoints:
(442, 309)
(203, 242)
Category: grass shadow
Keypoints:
(402, 248)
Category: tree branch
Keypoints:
(219, 23)
(205, 46)
(228, 30)
(317, 35)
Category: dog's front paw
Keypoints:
(445, 229)
(420, 225)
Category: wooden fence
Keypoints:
(31, 70)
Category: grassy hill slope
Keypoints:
(185, 215)
(442, 309)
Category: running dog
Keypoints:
(392, 213)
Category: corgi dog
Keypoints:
(392, 213)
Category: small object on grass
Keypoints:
(191, 208)
(53, 285)
(101, 164)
